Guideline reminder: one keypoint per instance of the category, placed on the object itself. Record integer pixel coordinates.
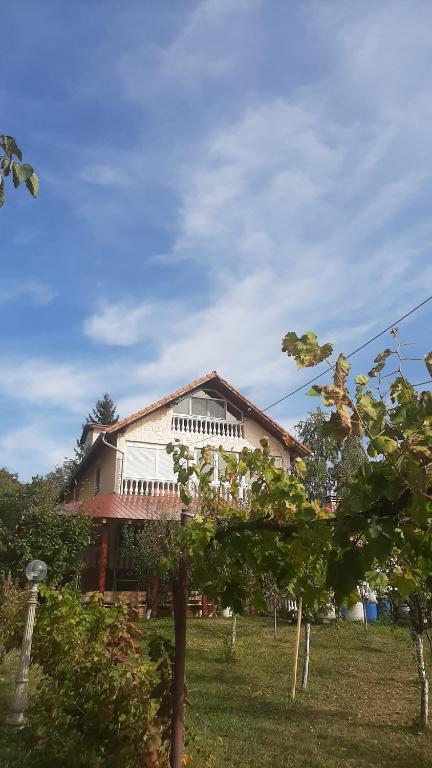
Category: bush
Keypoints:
(12, 612)
(101, 701)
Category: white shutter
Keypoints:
(140, 462)
(164, 466)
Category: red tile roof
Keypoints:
(125, 507)
(238, 399)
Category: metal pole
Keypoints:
(18, 705)
(297, 643)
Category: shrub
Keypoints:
(101, 701)
(12, 611)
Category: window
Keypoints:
(146, 461)
(97, 481)
(208, 404)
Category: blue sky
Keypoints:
(213, 174)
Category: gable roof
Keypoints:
(225, 388)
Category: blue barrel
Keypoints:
(371, 611)
(385, 609)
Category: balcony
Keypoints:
(150, 487)
(132, 487)
(198, 425)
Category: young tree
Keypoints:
(143, 545)
(383, 524)
(21, 172)
(104, 412)
(230, 546)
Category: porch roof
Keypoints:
(125, 507)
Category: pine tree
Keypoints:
(104, 412)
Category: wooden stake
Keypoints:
(297, 644)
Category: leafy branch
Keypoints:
(11, 164)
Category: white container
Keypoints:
(226, 613)
(326, 614)
(355, 613)
(404, 613)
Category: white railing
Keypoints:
(150, 488)
(204, 426)
(284, 605)
(132, 487)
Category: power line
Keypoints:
(354, 352)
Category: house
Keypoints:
(126, 475)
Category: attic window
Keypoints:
(208, 404)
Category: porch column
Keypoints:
(103, 556)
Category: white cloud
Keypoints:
(33, 449)
(48, 383)
(104, 175)
(207, 48)
(33, 291)
(125, 323)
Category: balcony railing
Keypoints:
(150, 488)
(202, 426)
(132, 487)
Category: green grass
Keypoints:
(360, 708)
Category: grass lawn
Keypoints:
(359, 710)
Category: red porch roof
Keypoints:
(124, 507)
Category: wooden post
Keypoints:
(297, 644)
(103, 557)
(180, 589)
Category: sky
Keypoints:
(213, 174)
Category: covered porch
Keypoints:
(106, 569)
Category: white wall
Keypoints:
(155, 429)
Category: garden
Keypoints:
(360, 708)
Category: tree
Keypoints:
(330, 466)
(143, 545)
(383, 524)
(21, 172)
(104, 412)
(31, 528)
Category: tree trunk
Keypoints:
(154, 584)
(233, 635)
(365, 618)
(305, 674)
(296, 649)
(275, 622)
(424, 685)
(180, 584)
